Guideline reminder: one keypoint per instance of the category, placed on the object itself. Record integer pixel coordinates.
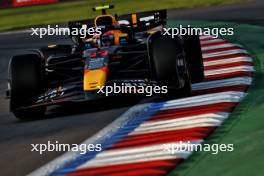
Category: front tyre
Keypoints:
(25, 81)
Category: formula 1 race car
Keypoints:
(130, 50)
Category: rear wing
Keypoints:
(140, 21)
(144, 20)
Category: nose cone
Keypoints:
(94, 79)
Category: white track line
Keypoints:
(212, 41)
(230, 96)
(164, 125)
(226, 45)
(206, 37)
(173, 128)
(228, 61)
(229, 70)
(138, 154)
(222, 83)
(185, 119)
(137, 158)
(213, 120)
(224, 53)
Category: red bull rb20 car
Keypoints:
(131, 49)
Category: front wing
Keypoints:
(73, 93)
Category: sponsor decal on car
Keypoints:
(51, 94)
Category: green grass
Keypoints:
(244, 128)
(63, 12)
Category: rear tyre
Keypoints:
(169, 66)
(25, 80)
(194, 57)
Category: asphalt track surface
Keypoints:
(75, 124)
